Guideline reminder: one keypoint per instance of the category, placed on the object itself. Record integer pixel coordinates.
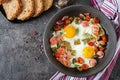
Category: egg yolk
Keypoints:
(69, 31)
(88, 52)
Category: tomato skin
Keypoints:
(58, 27)
(80, 60)
(95, 48)
(96, 20)
(57, 55)
(104, 38)
(61, 50)
(101, 48)
(67, 21)
(87, 18)
(65, 25)
(84, 67)
(90, 43)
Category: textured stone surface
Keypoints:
(21, 57)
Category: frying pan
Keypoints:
(75, 10)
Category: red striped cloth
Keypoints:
(111, 8)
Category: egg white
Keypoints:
(79, 35)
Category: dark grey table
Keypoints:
(21, 57)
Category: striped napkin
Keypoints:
(111, 8)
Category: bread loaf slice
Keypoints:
(38, 7)
(47, 4)
(28, 9)
(12, 9)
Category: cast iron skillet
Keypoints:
(75, 10)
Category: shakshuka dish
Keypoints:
(78, 41)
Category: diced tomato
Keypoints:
(60, 59)
(96, 20)
(58, 27)
(53, 41)
(90, 43)
(57, 55)
(67, 21)
(59, 38)
(84, 67)
(87, 18)
(104, 38)
(85, 23)
(65, 25)
(101, 48)
(80, 60)
(61, 50)
(64, 55)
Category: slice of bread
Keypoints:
(3, 1)
(47, 4)
(38, 7)
(28, 9)
(12, 9)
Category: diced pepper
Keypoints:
(73, 52)
(74, 60)
(67, 21)
(79, 68)
(92, 21)
(76, 42)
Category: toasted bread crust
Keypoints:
(12, 9)
(28, 9)
(3, 1)
(38, 7)
(47, 4)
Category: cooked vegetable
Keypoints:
(76, 42)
